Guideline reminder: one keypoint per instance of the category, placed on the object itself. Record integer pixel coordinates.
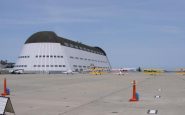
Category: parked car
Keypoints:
(17, 71)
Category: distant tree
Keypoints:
(139, 69)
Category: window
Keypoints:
(58, 56)
(34, 65)
(47, 65)
(43, 65)
(36, 56)
(61, 56)
(40, 56)
(55, 56)
(38, 65)
(51, 65)
(51, 56)
(56, 65)
(71, 57)
(44, 56)
(74, 65)
(47, 56)
(60, 65)
(76, 57)
(64, 65)
(23, 56)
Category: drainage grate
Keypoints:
(152, 111)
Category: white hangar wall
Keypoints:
(41, 57)
(82, 60)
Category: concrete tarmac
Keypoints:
(85, 94)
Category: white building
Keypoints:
(47, 52)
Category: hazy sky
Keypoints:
(146, 33)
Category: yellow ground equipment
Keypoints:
(97, 71)
(153, 71)
(181, 71)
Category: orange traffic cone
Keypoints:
(134, 96)
(4, 94)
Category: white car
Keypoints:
(17, 71)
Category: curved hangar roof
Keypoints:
(51, 37)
